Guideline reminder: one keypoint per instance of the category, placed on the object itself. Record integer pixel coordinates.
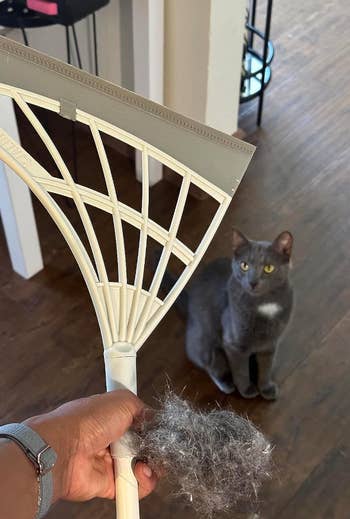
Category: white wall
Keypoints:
(126, 43)
(227, 22)
(186, 56)
(203, 55)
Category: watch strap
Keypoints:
(40, 454)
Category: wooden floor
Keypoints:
(299, 180)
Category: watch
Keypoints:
(40, 454)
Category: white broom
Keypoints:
(126, 312)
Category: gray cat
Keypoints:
(237, 310)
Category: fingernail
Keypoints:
(147, 471)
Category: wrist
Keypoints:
(54, 435)
(12, 463)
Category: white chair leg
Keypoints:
(16, 208)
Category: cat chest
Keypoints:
(269, 310)
(269, 321)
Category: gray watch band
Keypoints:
(40, 454)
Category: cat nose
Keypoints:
(253, 284)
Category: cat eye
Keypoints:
(268, 269)
(244, 266)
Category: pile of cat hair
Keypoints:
(217, 460)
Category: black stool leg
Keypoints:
(95, 42)
(44, 115)
(252, 21)
(76, 46)
(69, 58)
(73, 130)
(74, 133)
(25, 38)
(260, 108)
(266, 48)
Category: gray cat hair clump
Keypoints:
(217, 459)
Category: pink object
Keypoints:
(42, 6)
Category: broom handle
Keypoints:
(120, 364)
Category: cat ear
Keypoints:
(283, 244)
(238, 239)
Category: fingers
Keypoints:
(122, 399)
(146, 479)
(101, 419)
(117, 411)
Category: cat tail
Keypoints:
(168, 281)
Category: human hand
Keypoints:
(81, 432)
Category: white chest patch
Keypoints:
(269, 310)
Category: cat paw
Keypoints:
(270, 392)
(225, 384)
(250, 392)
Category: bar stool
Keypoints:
(25, 14)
